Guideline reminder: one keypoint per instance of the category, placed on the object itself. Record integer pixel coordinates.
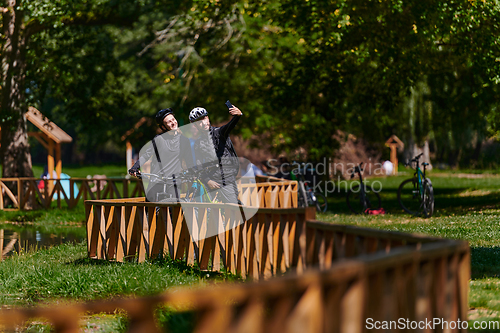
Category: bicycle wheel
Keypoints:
(356, 203)
(409, 196)
(320, 202)
(302, 196)
(428, 206)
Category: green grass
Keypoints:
(76, 171)
(466, 208)
(64, 272)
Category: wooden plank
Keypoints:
(111, 233)
(177, 228)
(266, 260)
(239, 252)
(463, 284)
(58, 163)
(101, 241)
(20, 194)
(51, 130)
(190, 217)
(50, 165)
(143, 231)
(157, 231)
(353, 307)
(184, 239)
(204, 241)
(93, 229)
(333, 298)
(320, 250)
(251, 317)
(125, 183)
(284, 233)
(60, 190)
(310, 246)
(10, 194)
(40, 137)
(230, 260)
(121, 248)
(301, 238)
(1, 196)
(251, 257)
(292, 241)
(439, 288)
(2, 235)
(277, 245)
(132, 231)
(308, 314)
(329, 249)
(115, 190)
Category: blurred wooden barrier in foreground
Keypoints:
(416, 283)
(263, 194)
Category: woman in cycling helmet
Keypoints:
(166, 120)
(169, 153)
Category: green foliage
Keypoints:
(360, 59)
(300, 71)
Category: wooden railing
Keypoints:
(269, 195)
(98, 188)
(263, 245)
(283, 194)
(414, 283)
(270, 242)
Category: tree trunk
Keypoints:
(16, 157)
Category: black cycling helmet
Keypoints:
(160, 115)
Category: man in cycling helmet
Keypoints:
(215, 152)
(169, 153)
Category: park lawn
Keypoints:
(76, 171)
(466, 208)
(64, 273)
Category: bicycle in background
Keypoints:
(362, 197)
(306, 196)
(416, 195)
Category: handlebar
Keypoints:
(357, 169)
(414, 160)
(185, 175)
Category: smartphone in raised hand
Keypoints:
(228, 104)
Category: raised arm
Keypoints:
(227, 128)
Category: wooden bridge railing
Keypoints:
(413, 283)
(270, 195)
(271, 242)
(260, 246)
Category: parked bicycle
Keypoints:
(362, 197)
(416, 195)
(307, 197)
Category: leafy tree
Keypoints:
(38, 36)
(360, 60)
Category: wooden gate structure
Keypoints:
(308, 276)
